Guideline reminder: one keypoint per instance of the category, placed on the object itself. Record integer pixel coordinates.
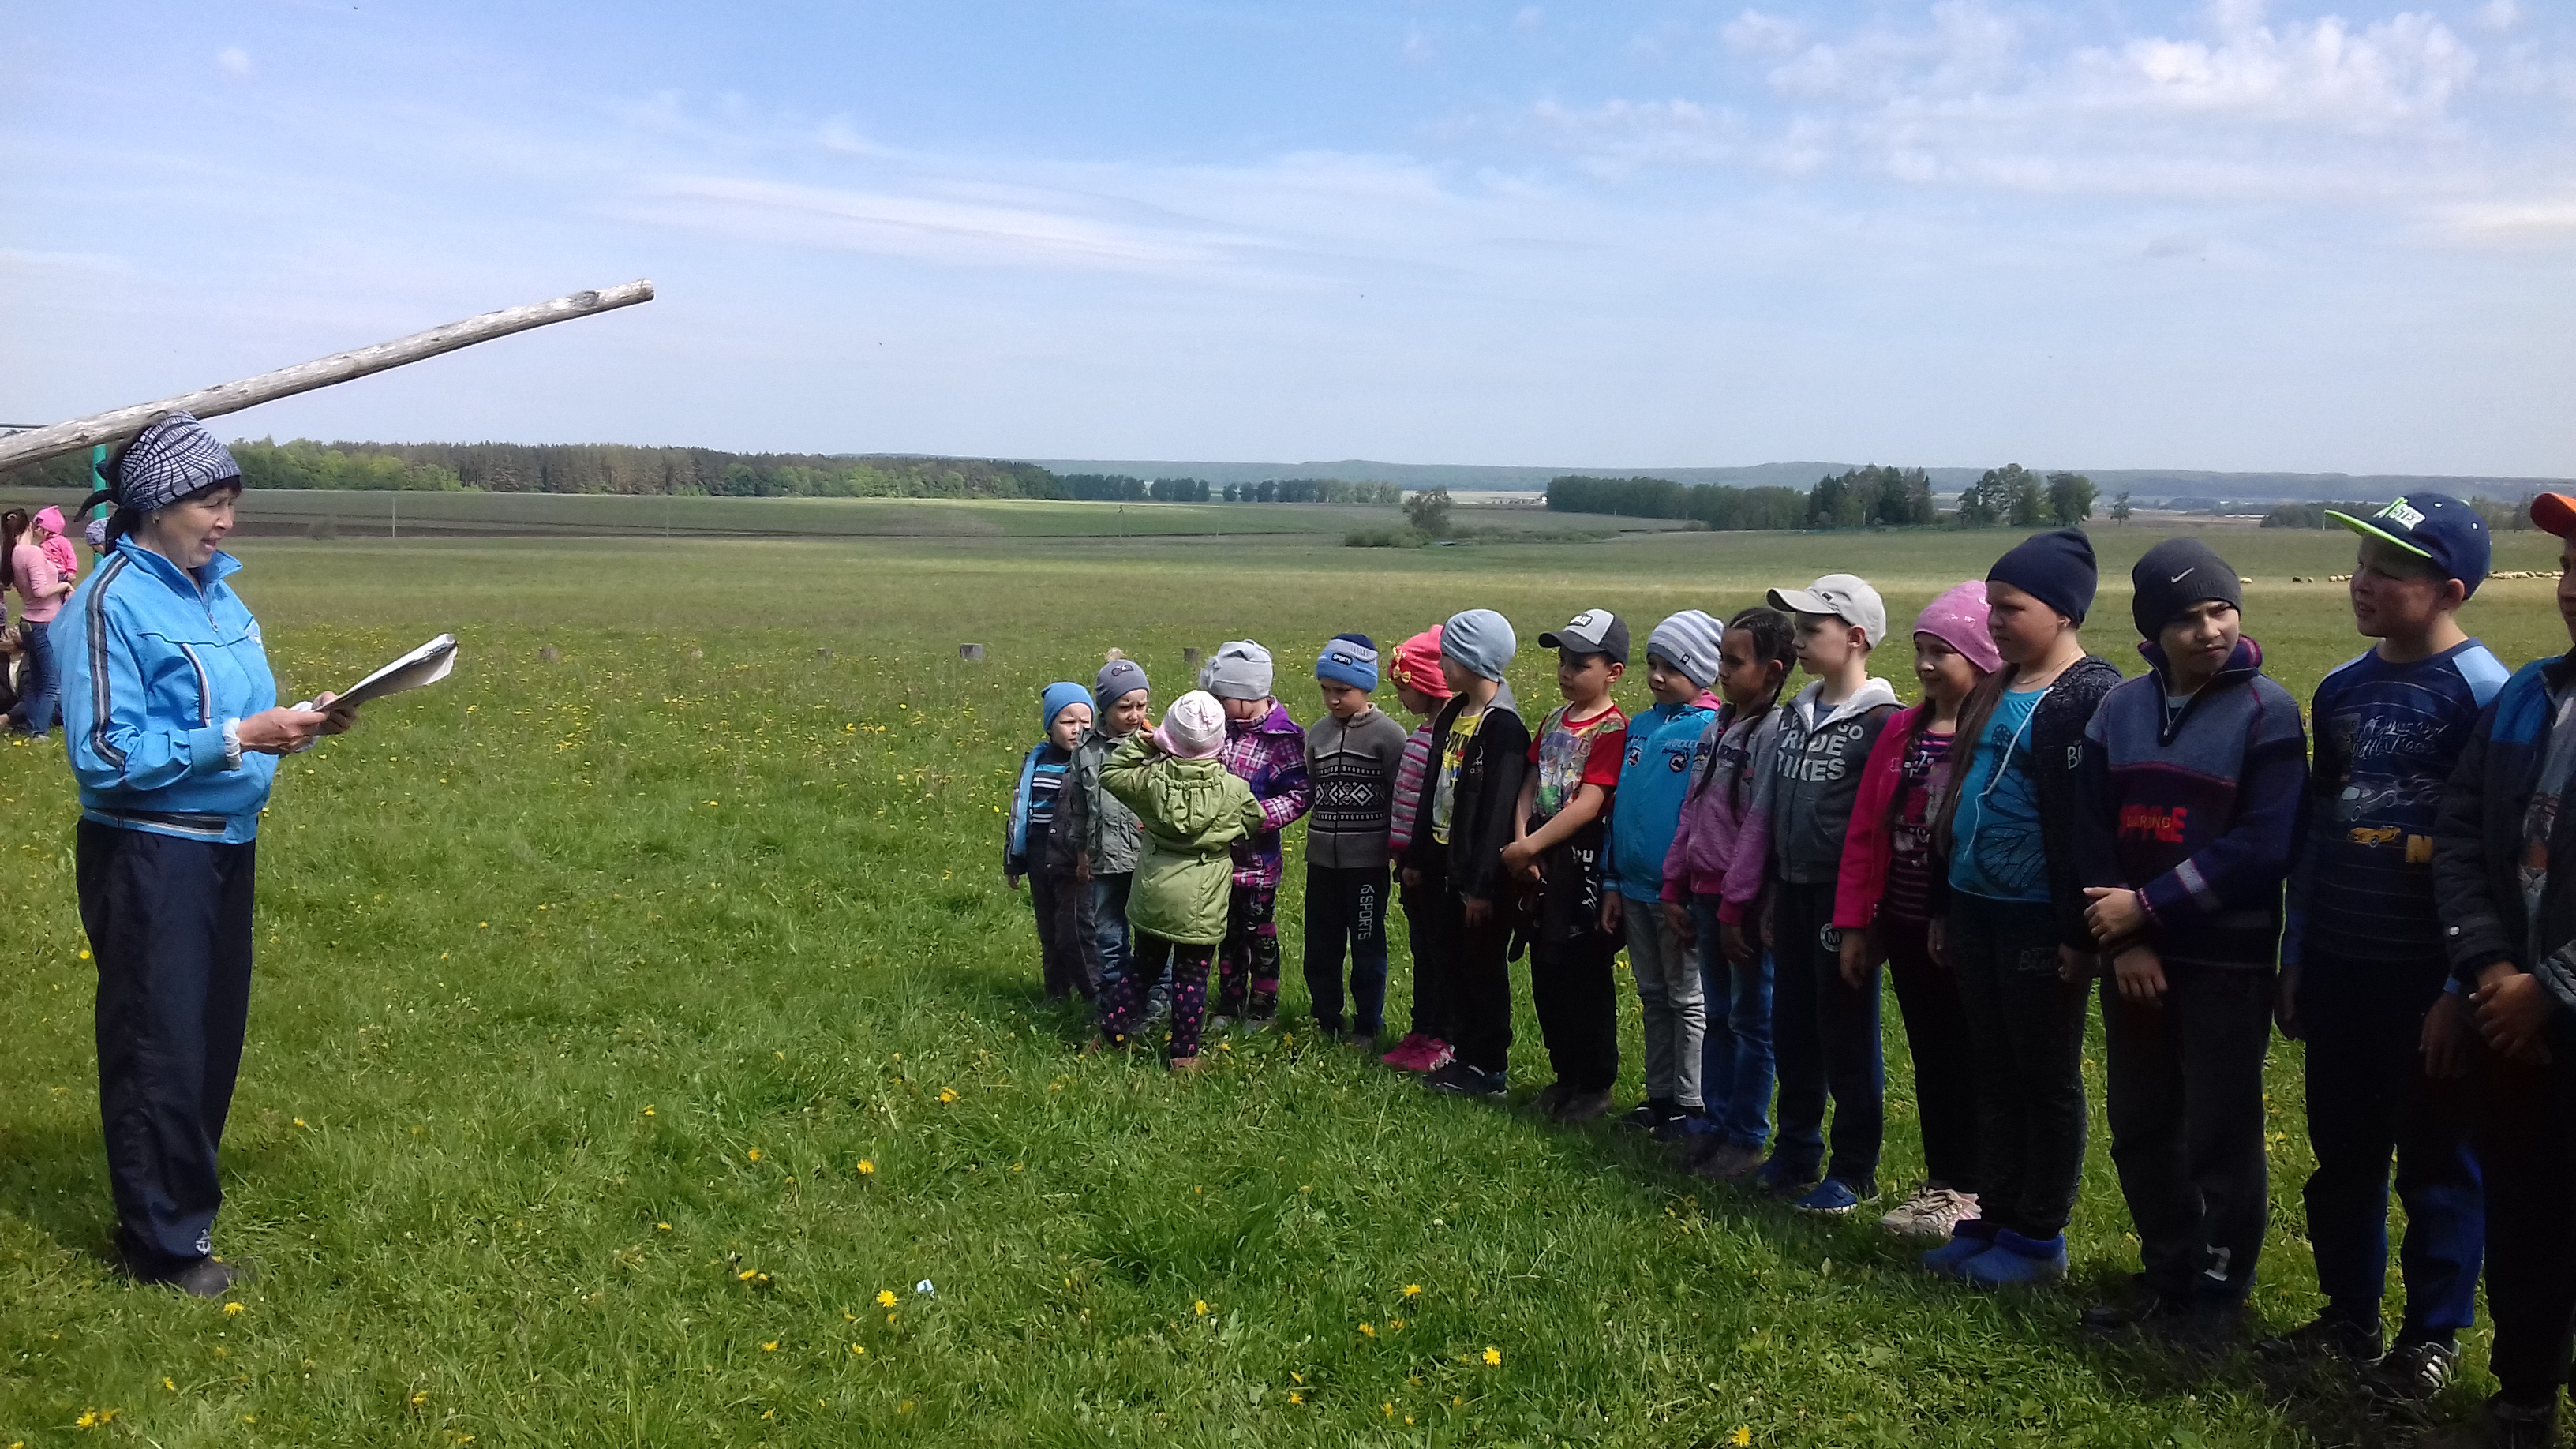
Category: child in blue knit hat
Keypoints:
(1049, 859)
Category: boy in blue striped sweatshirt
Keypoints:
(1048, 858)
(1664, 747)
(2195, 779)
(2362, 964)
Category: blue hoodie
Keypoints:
(154, 666)
(1663, 746)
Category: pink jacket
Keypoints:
(31, 574)
(59, 550)
(1869, 844)
(1723, 842)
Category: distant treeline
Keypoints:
(1871, 497)
(617, 468)
(2501, 516)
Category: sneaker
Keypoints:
(1969, 1240)
(1646, 1116)
(1457, 1079)
(1929, 1212)
(1406, 1055)
(207, 1278)
(1678, 1126)
(1437, 1055)
(1583, 1106)
(2522, 1426)
(2015, 1261)
(1772, 1179)
(1832, 1197)
(2197, 1317)
(2416, 1369)
(2328, 1335)
(1728, 1162)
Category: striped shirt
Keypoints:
(1410, 771)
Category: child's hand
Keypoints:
(2116, 913)
(2074, 965)
(1082, 866)
(2285, 1002)
(1478, 911)
(1412, 879)
(1014, 880)
(1679, 922)
(1936, 940)
(2512, 1009)
(2446, 1038)
(1730, 935)
(1859, 953)
(1614, 913)
(2141, 976)
(1767, 923)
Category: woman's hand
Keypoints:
(2140, 973)
(2116, 913)
(283, 731)
(340, 719)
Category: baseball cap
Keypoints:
(1847, 597)
(2438, 527)
(2554, 513)
(1594, 631)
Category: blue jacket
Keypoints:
(2478, 849)
(1663, 746)
(153, 667)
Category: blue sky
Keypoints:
(2112, 234)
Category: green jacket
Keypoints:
(1097, 822)
(1191, 811)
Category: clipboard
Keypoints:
(425, 665)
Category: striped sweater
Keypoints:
(1410, 773)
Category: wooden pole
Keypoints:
(37, 444)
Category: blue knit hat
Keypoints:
(1056, 696)
(1480, 639)
(1348, 659)
(2055, 568)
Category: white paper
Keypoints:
(427, 664)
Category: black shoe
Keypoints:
(2415, 1370)
(1582, 1106)
(1645, 1116)
(1551, 1097)
(2522, 1426)
(207, 1278)
(1461, 1080)
(2328, 1335)
(2140, 1307)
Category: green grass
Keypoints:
(374, 515)
(587, 987)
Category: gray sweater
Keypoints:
(1815, 778)
(1351, 768)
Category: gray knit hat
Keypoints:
(1689, 642)
(1240, 670)
(1480, 639)
(166, 462)
(1117, 679)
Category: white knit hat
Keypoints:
(1194, 727)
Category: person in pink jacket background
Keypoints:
(1888, 891)
(1712, 877)
(58, 549)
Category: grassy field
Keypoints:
(636, 1029)
(298, 512)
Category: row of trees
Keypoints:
(1316, 490)
(1871, 497)
(1119, 488)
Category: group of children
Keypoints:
(2036, 823)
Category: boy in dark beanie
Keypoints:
(2196, 777)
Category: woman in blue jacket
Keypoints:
(172, 718)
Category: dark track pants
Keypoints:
(2526, 1141)
(1479, 974)
(1435, 986)
(1247, 965)
(1824, 1040)
(1346, 909)
(1068, 955)
(169, 924)
(1936, 1036)
(2369, 1100)
(2027, 1030)
(1574, 985)
(2185, 1100)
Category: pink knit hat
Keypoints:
(50, 519)
(1417, 664)
(1194, 727)
(1958, 619)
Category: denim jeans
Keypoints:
(40, 687)
(1117, 941)
(1735, 1051)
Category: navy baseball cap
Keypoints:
(2434, 526)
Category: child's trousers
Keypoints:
(1479, 974)
(1671, 999)
(1346, 907)
(1116, 941)
(2526, 1141)
(1574, 985)
(1247, 965)
(2368, 1100)
(1067, 953)
(1945, 1064)
(2186, 1108)
(1735, 1052)
(2026, 1028)
(1123, 1005)
(1825, 1037)
(1435, 990)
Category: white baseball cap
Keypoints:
(1847, 597)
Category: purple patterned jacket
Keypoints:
(1268, 754)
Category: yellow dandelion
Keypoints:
(170, 1384)
(1295, 1397)
(648, 1109)
(866, 1167)
(860, 1349)
(1743, 1435)
(885, 1298)
(661, 1227)
(1367, 1332)
(770, 1347)
(1200, 1308)
(87, 1420)
(419, 1397)
(232, 1309)
(299, 1121)
(1387, 1409)
(753, 1154)
(947, 1094)
(1493, 1357)
(1301, 1378)
(84, 955)
(748, 1274)
(1395, 1325)
(1412, 1290)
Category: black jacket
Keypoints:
(1487, 795)
(2477, 848)
(2057, 753)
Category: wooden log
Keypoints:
(972, 653)
(1190, 656)
(37, 444)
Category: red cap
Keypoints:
(2554, 513)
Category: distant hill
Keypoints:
(2145, 483)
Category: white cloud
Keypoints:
(2540, 220)
(2325, 72)
(2499, 14)
(1528, 18)
(233, 61)
(1755, 33)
